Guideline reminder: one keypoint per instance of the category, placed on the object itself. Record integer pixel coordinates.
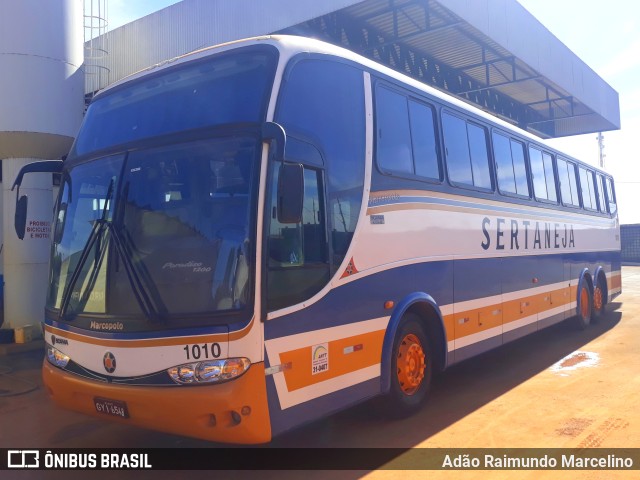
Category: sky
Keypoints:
(606, 36)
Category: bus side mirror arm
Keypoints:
(290, 194)
(20, 219)
(274, 133)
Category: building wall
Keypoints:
(193, 24)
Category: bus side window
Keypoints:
(588, 189)
(512, 173)
(322, 102)
(298, 264)
(466, 152)
(602, 204)
(394, 135)
(568, 183)
(542, 174)
(611, 197)
(406, 140)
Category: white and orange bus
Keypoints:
(256, 235)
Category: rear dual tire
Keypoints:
(583, 320)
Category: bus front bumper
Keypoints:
(231, 412)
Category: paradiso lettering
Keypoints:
(526, 235)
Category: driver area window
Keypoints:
(297, 253)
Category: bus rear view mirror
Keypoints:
(290, 193)
(21, 216)
(46, 166)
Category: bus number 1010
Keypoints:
(205, 350)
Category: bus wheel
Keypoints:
(599, 299)
(586, 307)
(411, 367)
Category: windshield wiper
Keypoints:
(146, 299)
(94, 235)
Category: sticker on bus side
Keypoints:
(320, 358)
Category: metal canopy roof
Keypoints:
(492, 53)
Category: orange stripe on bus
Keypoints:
(469, 322)
(300, 374)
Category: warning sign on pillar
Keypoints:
(39, 229)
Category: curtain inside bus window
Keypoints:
(322, 102)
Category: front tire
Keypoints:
(410, 369)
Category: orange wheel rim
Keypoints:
(584, 303)
(597, 298)
(411, 363)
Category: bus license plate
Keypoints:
(114, 408)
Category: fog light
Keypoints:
(56, 357)
(209, 371)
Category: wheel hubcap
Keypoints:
(584, 303)
(411, 364)
(597, 298)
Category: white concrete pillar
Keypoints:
(26, 261)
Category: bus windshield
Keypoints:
(201, 93)
(164, 231)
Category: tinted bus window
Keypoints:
(588, 189)
(479, 156)
(537, 173)
(504, 165)
(568, 183)
(466, 152)
(512, 173)
(394, 136)
(611, 197)
(550, 176)
(601, 196)
(457, 149)
(519, 168)
(423, 137)
(323, 102)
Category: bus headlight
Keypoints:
(209, 371)
(56, 357)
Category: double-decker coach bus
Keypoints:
(256, 235)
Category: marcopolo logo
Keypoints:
(60, 341)
(23, 459)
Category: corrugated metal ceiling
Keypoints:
(456, 57)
